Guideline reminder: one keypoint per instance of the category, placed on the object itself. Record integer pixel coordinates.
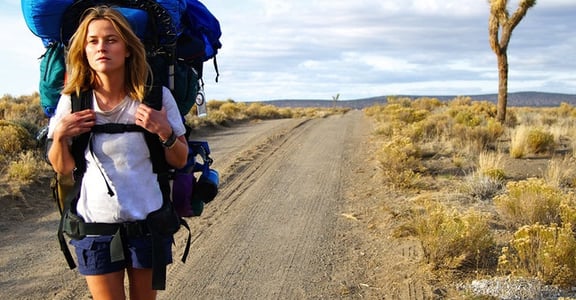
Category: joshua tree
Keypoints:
(500, 28)
(335, 99)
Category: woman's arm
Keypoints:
(177, 154)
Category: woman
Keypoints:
(105, 56)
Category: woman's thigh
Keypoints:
(108, 286)
(141, 284)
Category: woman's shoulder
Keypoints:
(64, 103)
(166, 91)
(167, 96)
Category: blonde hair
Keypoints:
(80, 77)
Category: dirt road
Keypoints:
(277, 230)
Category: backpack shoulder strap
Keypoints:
(159, 164)
(77, 148)
(79, 143)
(82, 102)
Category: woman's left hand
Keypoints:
(155, 121)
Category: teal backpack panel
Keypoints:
(52, 73)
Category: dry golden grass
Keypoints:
(518, 139)
(222, 113)
(488, 179)
(537, 214)
(560, 172)
(491, 164)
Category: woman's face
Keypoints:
(105, 50)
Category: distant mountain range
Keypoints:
(530, 99)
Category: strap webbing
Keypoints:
(216, 68)
(114, 128)
(64, 246)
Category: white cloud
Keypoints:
(459, 8)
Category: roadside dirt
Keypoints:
(301, 214)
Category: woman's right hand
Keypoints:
(74, 124)
(69, 126)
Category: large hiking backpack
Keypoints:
(179, 36)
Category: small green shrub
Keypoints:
(528, 202)
(215, 104)
(25, 168)
(453, 240)
(268, 112)
(232, 110)
(217, 117)
(468, 118)
(374, 111)
(539, 141)
(565, 110)
(14, 138)
(547, 252)
(435, 127)
(426, 103)
(494, 130)
(400, 161)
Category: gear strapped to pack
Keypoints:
(158, 224)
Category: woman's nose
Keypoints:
(101, 47)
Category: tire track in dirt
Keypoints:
(273, 234)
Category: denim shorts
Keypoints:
(93, 254)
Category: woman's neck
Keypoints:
(109, 91)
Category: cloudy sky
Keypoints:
(316, 49)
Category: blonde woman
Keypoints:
(118, 186)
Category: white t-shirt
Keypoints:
(123, 160)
